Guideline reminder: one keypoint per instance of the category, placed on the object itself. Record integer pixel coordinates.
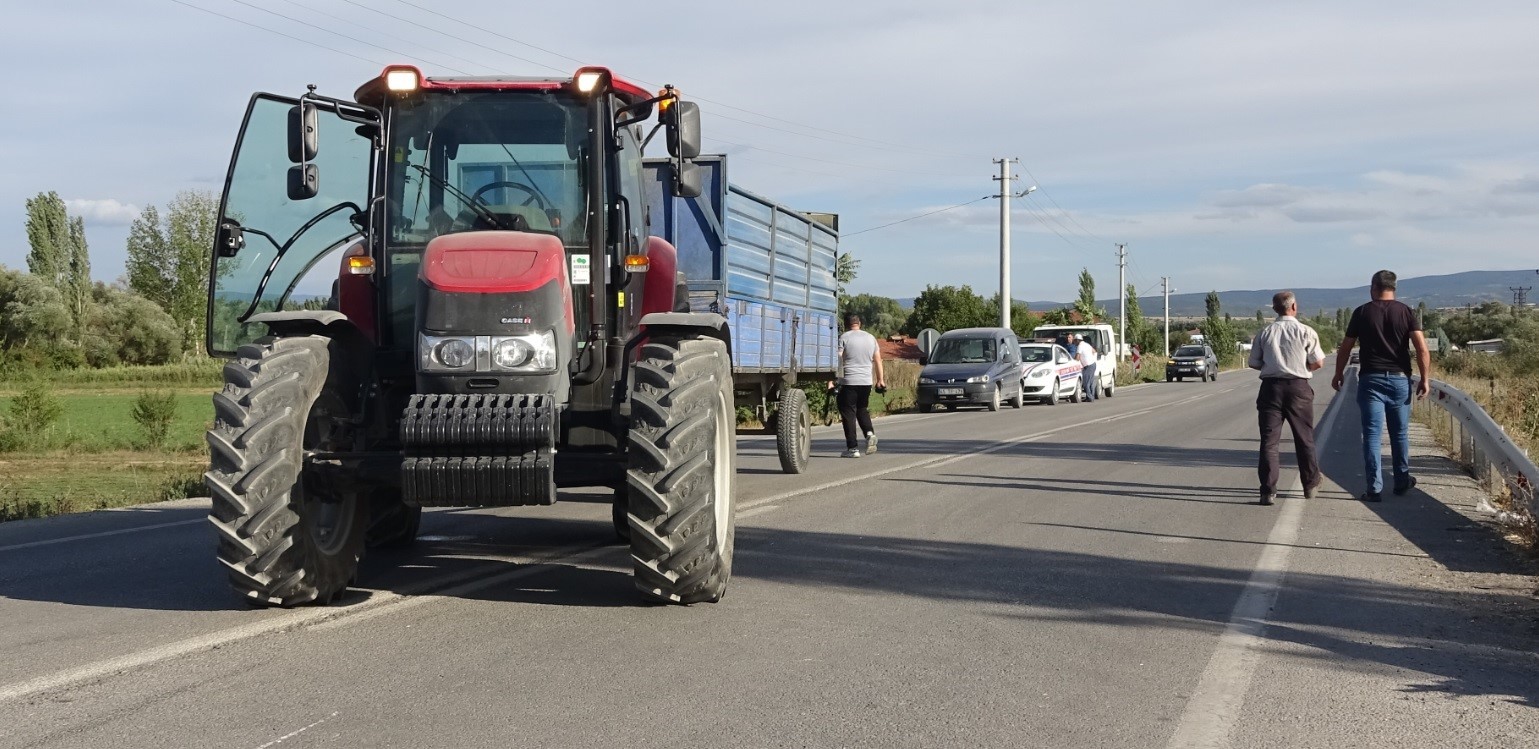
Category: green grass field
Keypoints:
(99, 422)
(94, 456)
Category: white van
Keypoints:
(1103, 338)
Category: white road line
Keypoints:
(1214, 707)
(103, 534)
(456, 584)
(380, 601)
(286, 737)
(941, 460)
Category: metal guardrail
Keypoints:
(1485, 446)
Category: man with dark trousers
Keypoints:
(860, 367)
(1386, 329)
(1286, 352)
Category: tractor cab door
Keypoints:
(296, 192)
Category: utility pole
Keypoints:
(1519, 295)
(1122, 295)
(1165, 281)
(1004, 178)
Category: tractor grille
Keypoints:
(478, 450)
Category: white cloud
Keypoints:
(105, 212)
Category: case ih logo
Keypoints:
(517, 321)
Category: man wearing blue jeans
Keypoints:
(1386, 330)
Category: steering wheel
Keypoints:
(534, 199)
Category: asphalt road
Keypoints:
(1080, 575)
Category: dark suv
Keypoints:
(1192, 360)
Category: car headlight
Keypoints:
(451, 353)
(1039, 372)
(525, 353)
(1199, 364)
(979, 378)
(926, 381)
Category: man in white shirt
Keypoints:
(860, 366)
(1286, 352)
(1085, 353)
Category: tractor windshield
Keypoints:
(476, 161)
(495, 160)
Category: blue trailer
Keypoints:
(770, 271)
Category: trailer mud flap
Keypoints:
(493, 450)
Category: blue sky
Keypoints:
(1231, 145)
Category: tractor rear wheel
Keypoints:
(793, 430)
(286, 536)
(682, 473)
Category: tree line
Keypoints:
(55, 316)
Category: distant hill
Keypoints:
(1453, 290)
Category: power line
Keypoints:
(355, 24)
(830, 161)
(416, 24)
(279, 33)
(878, 143)
(346, 36)
(912, 218)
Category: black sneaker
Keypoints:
(1372, 497)
(1402, 487)
(1267, 495)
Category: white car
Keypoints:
(1102, 338)
(1049, 374)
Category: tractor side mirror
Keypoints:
(683, 121)
(304, 181)
(304, 133)
(230, 238)
(688, 180)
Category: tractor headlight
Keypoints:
(450, 353)
(525, 353)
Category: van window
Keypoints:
(964, 351)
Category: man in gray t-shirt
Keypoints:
(860, 367)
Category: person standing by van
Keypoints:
(860, 367)
(1086, 355)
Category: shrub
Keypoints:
(153, 411)
(34, 410)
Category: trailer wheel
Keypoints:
(682, 473)
(793, 432)
(286, 536)
(619, 513)
(393, 524)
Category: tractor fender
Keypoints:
(328, 323)
(708, 323)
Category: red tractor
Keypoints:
(502, 325)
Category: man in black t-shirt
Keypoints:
(1386, 329)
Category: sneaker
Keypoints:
(1372, 497)
(1267, 495)
(870, 442)
(1309, 491)
(1402, 488)
(850, 453)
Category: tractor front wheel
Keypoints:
(286, 536)
(682, 472)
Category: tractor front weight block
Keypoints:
(492, 450)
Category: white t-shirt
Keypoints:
(857, 349)
(1085, 353)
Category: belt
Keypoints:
(1384, 372)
